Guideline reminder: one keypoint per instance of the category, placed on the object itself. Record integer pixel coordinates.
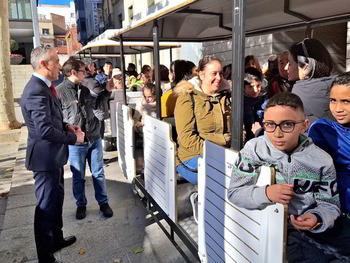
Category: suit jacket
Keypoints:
(47, 137)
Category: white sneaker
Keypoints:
(194, 203)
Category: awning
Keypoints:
(109, 47)
(201, 20)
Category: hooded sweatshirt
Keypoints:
(309, 169)
(334, 138)
(314, 95)
(201, 117)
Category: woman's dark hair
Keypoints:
(132, 66)
(229, 66)
(151, 87)
(315, 50)
(342, 79)
(251, 74)
(164, 73)
(71, 64)
(206, 60)
(182, 70)
(191, 65)
(248, 58)
(285, 99)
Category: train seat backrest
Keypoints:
(125, 141)
(228, 233)
(159, 158)
(120, 137)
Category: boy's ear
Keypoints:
(306, 125)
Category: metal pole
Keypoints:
(140, 60)
(156, 65)
(122, 62)
(36, 38)
(238, 45)
(171, 55)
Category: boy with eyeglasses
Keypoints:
(305, 181)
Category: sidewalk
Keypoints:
(99, 239)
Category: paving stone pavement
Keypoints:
(99, 240)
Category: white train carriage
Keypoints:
(225, 233)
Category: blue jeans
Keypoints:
(187, 174)
(93, 153)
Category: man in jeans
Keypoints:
(79, 107)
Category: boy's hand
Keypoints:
(73, 128)
(280, 193)
(303, 222)
(80, 136)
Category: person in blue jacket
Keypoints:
(334, 136)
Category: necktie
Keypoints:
(53, 90)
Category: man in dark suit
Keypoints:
(47, 151)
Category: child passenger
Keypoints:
(145, 106)
(305, 177)
(253, 102)
(334, 137)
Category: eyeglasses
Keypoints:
(285, 126)
(304, 47)
(84, 71)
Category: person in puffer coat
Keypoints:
(305, 181)
(202, 112)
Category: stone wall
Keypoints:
(20, 76)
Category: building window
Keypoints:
(150, 3)
(120, 20)
(20, 9)
(46, 31)
(71, 15)
(61, 43)
(130, 12)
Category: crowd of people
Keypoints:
(296, 118)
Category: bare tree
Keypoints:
(7, 109)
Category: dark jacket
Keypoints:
(47, 137)
(77, 106)
(101, 96)
(314, 94)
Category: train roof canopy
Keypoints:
(107, 46)
(201, 20)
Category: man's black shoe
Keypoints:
(106, 210)
(81, 212)
(65, 242)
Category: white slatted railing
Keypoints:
(125, 141)
(159, 156)
(228, 233)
